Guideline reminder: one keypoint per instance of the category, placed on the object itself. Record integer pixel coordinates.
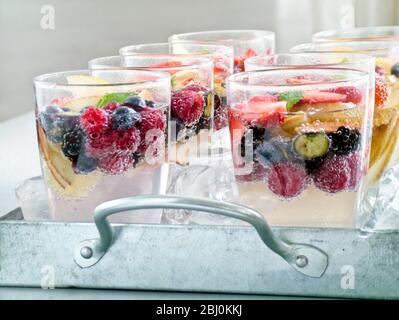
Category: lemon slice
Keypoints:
(81, 79)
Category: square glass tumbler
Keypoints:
(246, 43)
(102, 136)
(300, 143)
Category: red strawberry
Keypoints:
(187, 106)
(381, 91)
(334, 175)
(287, 180)
(353, 94)
(167, 64)
(262, 98)
(94, 120)
(315, 97)
(239, 60)
(116, 163)
(265, 113)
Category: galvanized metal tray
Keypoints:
(229, 259)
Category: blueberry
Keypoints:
(150, 103)
(72, 142)
(267, 154)
(135, 102)
(274, 151)
(52, 123)
(53, 109)
(85, 164)
(395, 70)
(124, 118)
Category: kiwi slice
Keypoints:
(311, 145)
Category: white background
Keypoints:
(91, 28)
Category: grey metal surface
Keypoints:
(200, 259)
(12, 293)
(306, 259)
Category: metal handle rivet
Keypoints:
(301, 261)
(86, 252)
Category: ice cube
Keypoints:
(201, 181)
(32, 198)
(380, 208)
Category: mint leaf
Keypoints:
(292, 98)
(339, 77)
(113, 97)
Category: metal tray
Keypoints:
(229, 259)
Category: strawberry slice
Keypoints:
(249, 53)
(266, 113)
(353, 94)
(315, 97)
(262, 98)
(306, 79)
(167, 64)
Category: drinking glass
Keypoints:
(384, 146)
(246, 43)
(300, 143)
(102, 136)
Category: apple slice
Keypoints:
(184, 78)
(84, 85)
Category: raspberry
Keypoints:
(354, 162)
(287, 180)
(334, 175)
(111, 107)
(258, 173)
(381, 91)
(196, 88)
(150, 119)
(126, 141)
(353, 94)
(187, 106)
(116, 163)
(94, 120)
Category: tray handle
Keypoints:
(307, 259)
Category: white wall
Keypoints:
(91, 28)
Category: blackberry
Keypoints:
(344, 140)
(313, 164)
(150, 103)
(258, 136)
(72, 143)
